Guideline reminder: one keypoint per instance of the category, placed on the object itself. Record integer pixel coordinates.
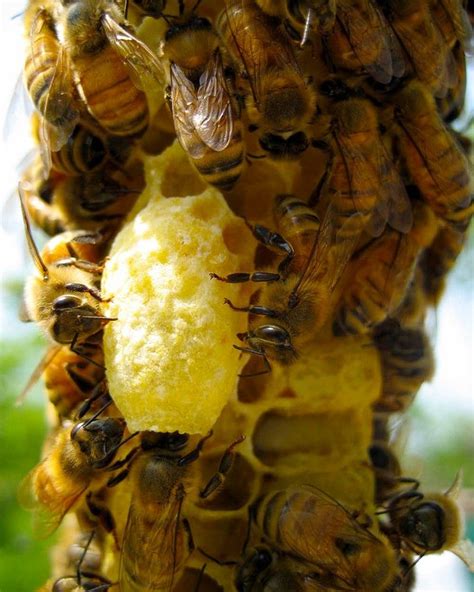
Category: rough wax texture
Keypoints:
(169, 356)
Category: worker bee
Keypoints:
(362, 178)
(312, 542)
(71, 467)
(379, 276)
(299, 297)
(281, 104)
(108, 63)
(93, 201)
(430, 523)
(303, 16)
(155, 528)
(362, 41)
(453, 21)
(434, 160)
(429, 56)
(63, 295)
(438, 260)
(407, 362)
(46, 78)
(205, 113)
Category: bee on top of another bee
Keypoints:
(160, 478)
(280, 101)
(433, 158)
(299, 298)
(310, 541)
(206, 113)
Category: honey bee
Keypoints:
(452, 20)
(299, 297)
(93, 201)
(45, 71)
(155, 527)
(281, 103)
(430, 58)
(63, 296)
(312, 542)
(205, 113)
(71, 467)
(303, 15)
(379, 276)
(108, 64)
(407, 362)
(438, 260)
(362, 178)
(434, 160)
(430, 523)
(362, 41)
(452, 105)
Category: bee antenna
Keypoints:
(35, 254)
(125, 9)
(96, 415)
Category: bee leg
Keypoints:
(255, 352)
(97, 392)
(75, 348)
(199, 578)
(242, 277)
(120, 463)
(256, 310)
(82, 288)
(106, 520)
(225, 465)
(194, 454)
(189, 535)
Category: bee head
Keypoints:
(99, 439)
(74, 317)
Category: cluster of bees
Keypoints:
(359, 95)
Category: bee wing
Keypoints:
(465, 551)
(308, 527)
(152, 542)
(46, 519)
(420, 137)
(393, 205)
(460, 19)
(184, 105)
(356, 25)
(38, 371)
(146, 70)
(213, 116)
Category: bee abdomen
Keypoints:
(83, 152)
(294, 216)
(222, 169)
(44, 215)
(110, 95)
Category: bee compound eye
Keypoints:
(262, 559)
(275, 335)
(66, 301)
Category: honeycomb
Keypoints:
(260, 201)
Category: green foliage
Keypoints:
(23, 559)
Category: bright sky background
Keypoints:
(452, 387)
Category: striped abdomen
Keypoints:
(110, 95)
(53, 100)
(352, 197)
(223, 169)
(83, 152)
(297, 223)
(407, 362)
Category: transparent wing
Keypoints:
(359, 26)
(184, 104)
(213, 117)
(149, 547)
(146, 70)
(38, 372)
(460, 19)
